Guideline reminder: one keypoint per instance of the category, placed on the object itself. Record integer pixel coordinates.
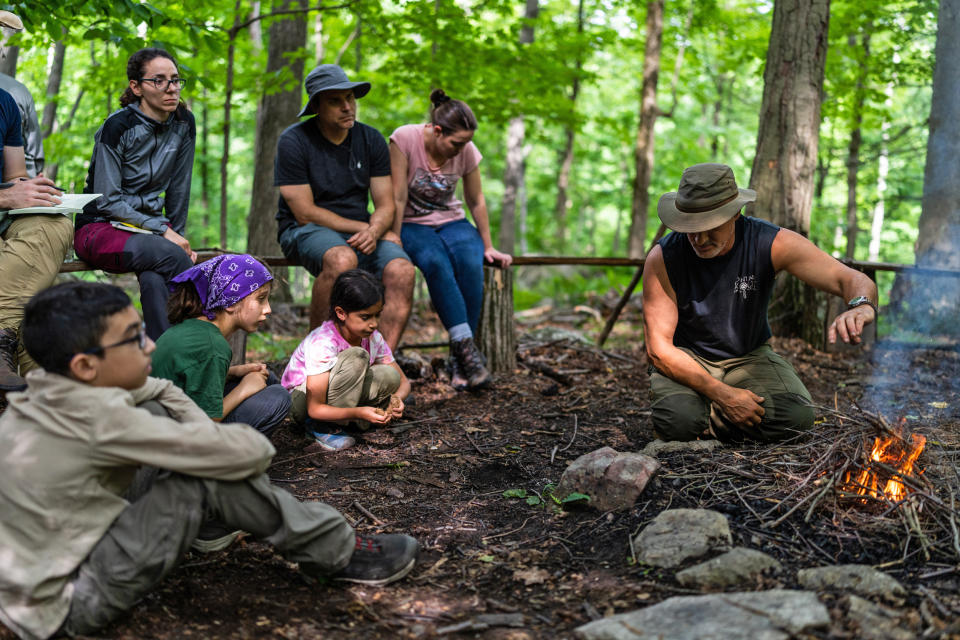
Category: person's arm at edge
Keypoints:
(473, 194)
(24, 192)
(660, 316)
(398, 177)
(176, 202)
(803, 259)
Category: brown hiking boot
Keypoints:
(9, 380)
(470, 362)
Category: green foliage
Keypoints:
(471, 49)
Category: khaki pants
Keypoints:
(31, 252)
(151, 535)
(680, 413)
(353, 383)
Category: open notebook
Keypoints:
(71, 203)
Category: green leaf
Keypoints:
(575, 497)
(533, 500)
(485, 558)
(515, 493)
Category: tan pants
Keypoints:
(353, 383)
(31, 252)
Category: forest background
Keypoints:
(557, 87)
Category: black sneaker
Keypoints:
(380, 560)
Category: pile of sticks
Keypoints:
(797, 494)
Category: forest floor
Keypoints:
(443, 480)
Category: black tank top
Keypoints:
(722, 302)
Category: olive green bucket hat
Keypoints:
(707, 197)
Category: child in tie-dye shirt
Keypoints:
(344, 371)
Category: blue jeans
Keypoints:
(265, 409)
(451, 259)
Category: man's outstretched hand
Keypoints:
(33, 192)
(849, 324)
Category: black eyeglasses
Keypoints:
(140, 339)
(163, 84)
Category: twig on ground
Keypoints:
(359, 507)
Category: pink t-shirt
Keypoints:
(431, 191)
(318, 353)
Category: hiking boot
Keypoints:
(457, 380)
(331, 441)
(380, 560)
(9, 380)
(470, 359)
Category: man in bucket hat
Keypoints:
(326, 167)
(706, 288)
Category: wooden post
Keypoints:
(496, 334)
(238, 345)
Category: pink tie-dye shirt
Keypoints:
(318, 353)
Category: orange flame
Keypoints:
(893, 451)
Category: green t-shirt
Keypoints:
(195, 356)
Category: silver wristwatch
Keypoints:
(860, 300)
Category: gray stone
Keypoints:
(857, 578)
(613, 480)
(876, 622)
(764, 615)
(678, 535)
(735, 567)
(657, 447)
(555, 334)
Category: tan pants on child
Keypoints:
(353, 383)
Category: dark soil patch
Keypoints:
(443, 479)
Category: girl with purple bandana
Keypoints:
(208, 303)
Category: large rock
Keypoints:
(735, 567)
(764, 615)
(613, 480)
(857, 578)
(657, 447)
(678, 535)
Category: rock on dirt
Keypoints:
(678, 535)
(738, 566)
(613, 480)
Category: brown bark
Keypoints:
(276, 111)
(643, 149)
(566, 157)
(853, 149)
(514, 173)
(496, 335)
(786, 158)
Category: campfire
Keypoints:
(887, 472)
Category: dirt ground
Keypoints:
(443, 479)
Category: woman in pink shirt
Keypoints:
(427, 161)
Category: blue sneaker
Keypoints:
(332, 441)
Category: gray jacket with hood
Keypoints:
(143, 169)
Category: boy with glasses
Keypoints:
(101, 499)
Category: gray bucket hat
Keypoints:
(707, 197)
(11, 21)
(329, 77)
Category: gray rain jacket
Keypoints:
(143, 169)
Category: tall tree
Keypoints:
(786, 159)
(566, 156)
(643, 148)
(856, 139)
(514, 185)
(938, 242)
(277, 109)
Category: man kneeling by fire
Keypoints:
(706, 288)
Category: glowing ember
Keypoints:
(896, 455)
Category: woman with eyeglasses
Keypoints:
(141, 165)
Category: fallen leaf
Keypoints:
(531, 576)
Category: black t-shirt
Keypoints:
(722, 302)
(338, 174)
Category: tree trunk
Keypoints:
(566, 158)
(496, 335)
(853, 150)
(53, 88)
(205, 160)
(514, 173)
(275, 113)
(318, 35)
(643, 150)
(935, 308)
(227, 99)
(786, 158)
(883, 168)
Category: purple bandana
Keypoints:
(224, 280)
